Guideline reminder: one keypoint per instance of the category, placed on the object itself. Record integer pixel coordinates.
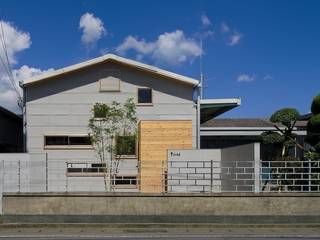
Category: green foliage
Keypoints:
(126, 145)
(314, 125)
(285, 116)
(108, 123)
(317, 147)
(272, 138)
(315, 106)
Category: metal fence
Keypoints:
(47, 175)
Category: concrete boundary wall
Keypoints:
(116, 207)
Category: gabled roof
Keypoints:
(111, 57)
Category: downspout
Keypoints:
(197, 90)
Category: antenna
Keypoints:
(201, 71)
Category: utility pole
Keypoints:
(201, 72)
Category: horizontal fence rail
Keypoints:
(44, 174)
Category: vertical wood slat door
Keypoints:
(155, 138)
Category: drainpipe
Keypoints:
(198, 120)
(197, 90)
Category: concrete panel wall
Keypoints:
(194, 170)
(163, 205)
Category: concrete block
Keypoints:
(203, 182)
(196, 176)
(203, 170)
(187, 182)
(187, 170)
(178, 164)
(173, 182)
(179, 188)
(244, 176)
(195, 188)
(195, 164)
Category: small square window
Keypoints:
(126, 145)
(144, 95)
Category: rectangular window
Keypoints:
(67, 141)
(126, 145)
(110, 81)
(76, 169)
(124, 180)
(144, 96)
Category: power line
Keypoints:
(7, 66)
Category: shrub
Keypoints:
(315, 106)
(285, 116)
(314, 125)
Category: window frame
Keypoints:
(125, 186)
(144, 104)
(101, 77)
(65, 147)
(128, 156)
(84, 174)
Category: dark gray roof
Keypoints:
(238, 122)
(10, 114)
(245, 122)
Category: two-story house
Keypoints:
(58, 106)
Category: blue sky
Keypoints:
(264, 52)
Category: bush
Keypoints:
(272, 138)
(317, 147)
(285, 116)
(315, 106)
(314, 125)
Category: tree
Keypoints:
(107, 124)
(287, 117)
(313, 127)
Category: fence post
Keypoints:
(2, 184)
(19, 176)
(211, 175)
(47, 187)
(256, 167)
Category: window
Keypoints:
(67, 141)
(144, 96)
(124, 180)
(74, 169)
(110, 81)
(126, 145)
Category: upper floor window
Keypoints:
(110, 81)
(69, 141)
(144, 96)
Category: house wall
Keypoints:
(62, 106)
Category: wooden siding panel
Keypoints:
(155, 138)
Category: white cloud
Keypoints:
(92, 29)
(234, 38)
(8, 97)
(15, 39)
(267, 77)
(224, 28)
(205, 21)
(246, 78)
(170, 48)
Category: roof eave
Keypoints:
(111, 57)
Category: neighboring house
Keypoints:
(11, 132)
(223, 133)
(58, 107)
